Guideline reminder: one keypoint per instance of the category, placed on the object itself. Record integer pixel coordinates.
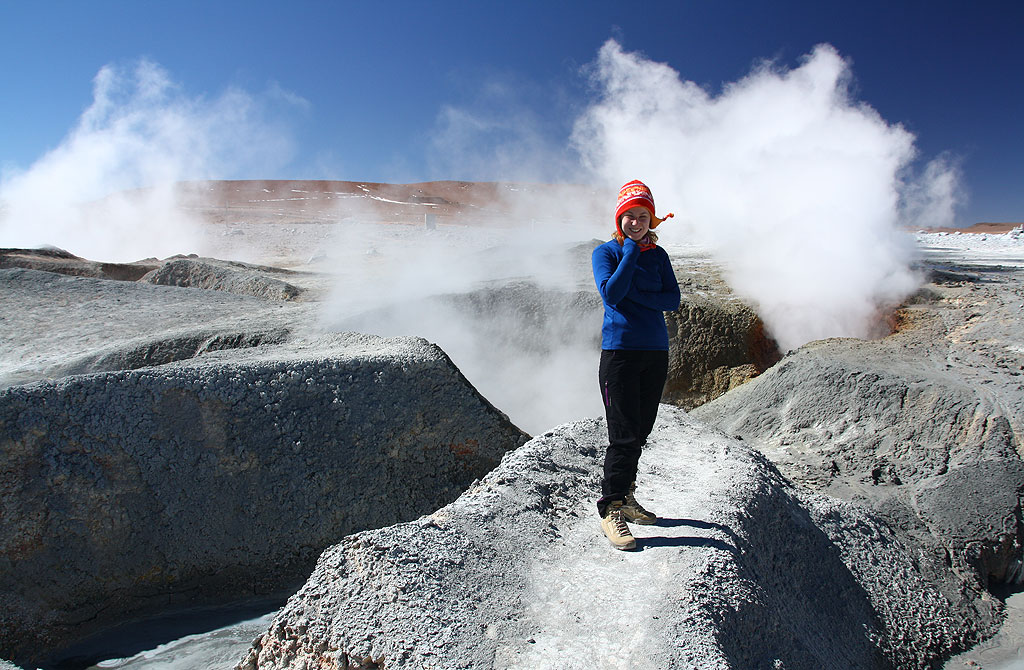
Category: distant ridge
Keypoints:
(995, 228)
(299, 200)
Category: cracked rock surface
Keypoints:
(742, 571)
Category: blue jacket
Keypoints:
(636, 288)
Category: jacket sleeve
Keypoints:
(614, 279)
(665, 300)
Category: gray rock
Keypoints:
(922, 427)
(132, 493)
(230, 276)
(53, 325)
(168, 347)
(62, 262)
(741, 572)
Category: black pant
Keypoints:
(631, 385)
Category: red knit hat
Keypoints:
(636, 194)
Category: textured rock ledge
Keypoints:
(740, 573)
(260, 281)
(131, 493)
(53, 325)
(192, 271)
(922, 427)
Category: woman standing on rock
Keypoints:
(637, 286)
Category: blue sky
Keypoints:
(363, 91)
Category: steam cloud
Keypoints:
(140, 132)
(502, 306)
(797, 189)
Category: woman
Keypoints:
(637, 286)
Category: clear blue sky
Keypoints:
(376, 75)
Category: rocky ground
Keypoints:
(134, 493)
(857, 504)
(739, 572)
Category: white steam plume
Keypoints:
(797, 189)
(503, 305)
(932, 200)
(140, 132)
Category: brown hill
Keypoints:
(301, 200)
(995, 228)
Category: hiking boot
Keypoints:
(615, 529)
(634, 512)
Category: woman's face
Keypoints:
(635, 222)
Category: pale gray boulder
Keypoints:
(260, 281)
(922, 427)
(134, 493)
(741, 572)
(52, 325)
(52, 259)
(191, 271)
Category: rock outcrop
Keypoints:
(232, 276)
(922, 427)
(131, 493)
(716, 341)
(261, 281)
(715, 346)
(63, 262)
(742, 571)
(53, 325)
